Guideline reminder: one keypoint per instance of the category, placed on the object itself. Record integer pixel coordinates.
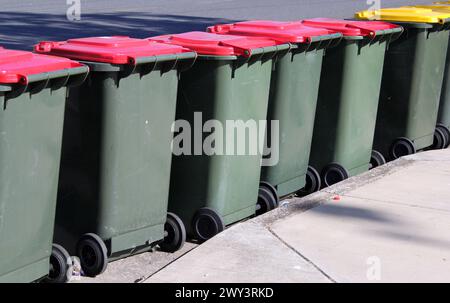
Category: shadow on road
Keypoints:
(23, 30)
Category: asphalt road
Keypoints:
(24, 23)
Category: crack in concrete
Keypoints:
(143, 279)
(301, 255)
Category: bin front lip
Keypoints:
(326, 37)
(32, 78)
(69, 77)
(421, 25)
(4, 88)
(110, 67)
(385, 32)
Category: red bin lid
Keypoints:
(217, 45)
(16, 66)
(114, 49)
(293, 32)
(349, 27)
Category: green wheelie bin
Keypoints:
(412, 80)
(442, 133)
(33, 95)
(292, 103)
(348, 98)
(116, 157)
(228, 89)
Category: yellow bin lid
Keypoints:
(437, 7)
(406, 14)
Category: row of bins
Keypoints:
(88, 157)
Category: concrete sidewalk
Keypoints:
(391, 224)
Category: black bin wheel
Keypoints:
(271, 188)
(313, 182)
(376, 159)
(402, 147)
(267, 201)
(333, 173)
(60, 265)
(93, 254)
(446, 132)
(175, 234)
(439, 140)
(206, 224)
